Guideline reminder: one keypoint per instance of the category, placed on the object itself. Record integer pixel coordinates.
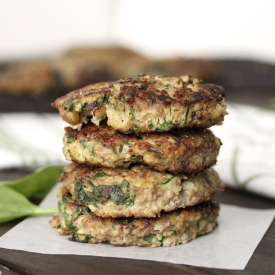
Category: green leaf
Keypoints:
(165, 126)
(38, 183)
(69, 137)
(155, 150)
(148, 238)
(120, 193)
(13, 205)
(100, 174)
(89, 145)
(167, 180)
(85, 196)
(186, 116)
(132, 112)
(70, 105)
(150, 125)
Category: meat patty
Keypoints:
(139, 191)
(169, 229)
(145, 104)
(186, 151)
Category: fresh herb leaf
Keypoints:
(85, 105)
(186, 116)
(152, 149)
(150, 125)
(162, 240)
(75, 237)
(101, 99)
(100, 174)
(165, 126)
(14, 205)
(38, 183)
(119, 194)
(167, 180)
(132, 112)
(89, 145)
(70, 105)
(148, 238)
(121, 98)
(101, 118)
(137, 159)
(83, 195)
(65, 216)
(120, 148)
(69, 137)
(124, 221)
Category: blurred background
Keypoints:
(48, 48)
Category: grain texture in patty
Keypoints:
(145, 104)
(139, 191)
(185, 151)
(170, 229)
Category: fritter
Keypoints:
(92, 102)
(112, 62)
(145, 104)
(32, 78)
(186, 151)
(206, 69)
(139, 191)
(170, 229)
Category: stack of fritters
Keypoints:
(142, 157)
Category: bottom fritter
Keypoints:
(171, 228)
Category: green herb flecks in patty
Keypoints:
(69, 138)
(70, 105)
(119, 194)
(88, 145)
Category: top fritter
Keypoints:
(145, 104)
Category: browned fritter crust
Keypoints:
(145, 104)
(186, 151)
(170, 229)
(92, 99)
(139, 191)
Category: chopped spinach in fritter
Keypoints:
(69, 137)
(119, 194)
(148, 238)
(165, 126)
(89, 145)
(70, 105)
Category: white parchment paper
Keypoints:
(229, 246)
